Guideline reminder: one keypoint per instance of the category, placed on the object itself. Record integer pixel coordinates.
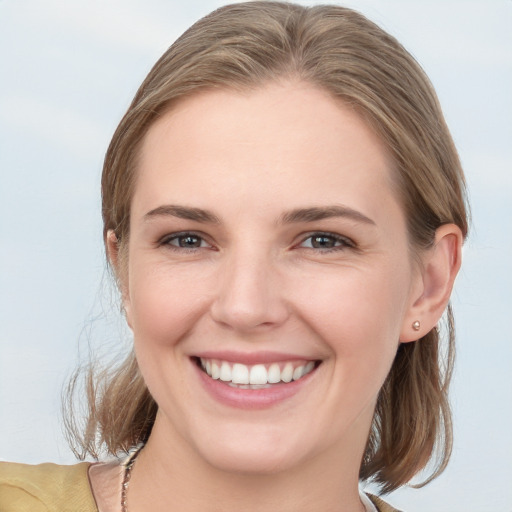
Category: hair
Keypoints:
(247, 45)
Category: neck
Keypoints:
(169, 472)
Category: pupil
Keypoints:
(323, 242)
(189, 241)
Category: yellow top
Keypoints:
(54, 488)
(45, 488)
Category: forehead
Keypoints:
(274, 145)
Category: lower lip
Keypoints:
(251, 398)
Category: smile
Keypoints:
(256, 376)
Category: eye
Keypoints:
(185, 241)
(326, 242)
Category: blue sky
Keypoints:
(69, 70)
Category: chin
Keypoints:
(252, 454)
(253, 463)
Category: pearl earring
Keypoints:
(416, 325)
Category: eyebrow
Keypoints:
(183, 212)
(311, 214)
(319, 213)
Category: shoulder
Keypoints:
(380, 504)
(45, 488)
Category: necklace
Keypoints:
(127, 473)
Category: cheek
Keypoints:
(355, 303)
(358, 316)
(164, 304)
(165, 307)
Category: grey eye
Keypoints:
(187, 241)
(323, 242)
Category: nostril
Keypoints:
(242, 317)
(247, 296)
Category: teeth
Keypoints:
(240, 374)
(225, 372)
(274, 374)
(298, 373)
(287, 373)
(215, 371)
(257, 376)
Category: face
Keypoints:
(268, 277)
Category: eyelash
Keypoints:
(342, 242)
(176, 236)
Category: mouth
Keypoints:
(256, 376)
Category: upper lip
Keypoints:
(252, 358)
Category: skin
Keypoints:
(258, 283)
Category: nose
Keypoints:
(250, 294)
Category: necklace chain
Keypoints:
(127, 473)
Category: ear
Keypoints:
(435, 279)
(112, 244)
(115, 260)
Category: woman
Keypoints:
(284, 212)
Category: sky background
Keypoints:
(69, 70)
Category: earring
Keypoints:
(416, 325)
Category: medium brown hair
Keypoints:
(244, 46)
